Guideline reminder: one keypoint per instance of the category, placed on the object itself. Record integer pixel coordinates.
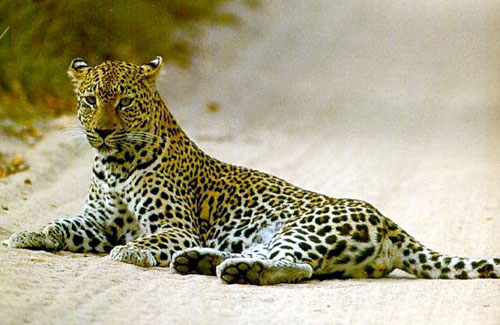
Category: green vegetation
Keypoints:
(45, 35)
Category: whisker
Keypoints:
(77, 135)
(144, 134)
(140, 138)
(143, 137)
(127, 143)
(137, 141)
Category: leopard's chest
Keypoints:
(117, 200)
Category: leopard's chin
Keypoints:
(106, 150)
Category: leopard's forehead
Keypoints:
(112, 78)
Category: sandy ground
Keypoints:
(396, 104)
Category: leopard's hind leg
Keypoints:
(343, 244)
(265, 264)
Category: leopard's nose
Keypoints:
(103, 133)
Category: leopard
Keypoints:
(156, 199)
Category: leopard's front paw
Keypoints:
(32, 240)
(133, 255)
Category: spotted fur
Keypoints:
(156, 199)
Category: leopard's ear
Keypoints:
(152, 70)
(77, 71)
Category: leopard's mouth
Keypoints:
(99, 145)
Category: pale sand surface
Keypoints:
(395, 105)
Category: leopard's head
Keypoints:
(115, 102)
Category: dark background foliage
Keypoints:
(44, 36)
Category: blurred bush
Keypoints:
(44, 36)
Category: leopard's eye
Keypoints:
(90, 100)
(124, 102)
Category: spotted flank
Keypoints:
(156, 199)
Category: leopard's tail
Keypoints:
(414, 258)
